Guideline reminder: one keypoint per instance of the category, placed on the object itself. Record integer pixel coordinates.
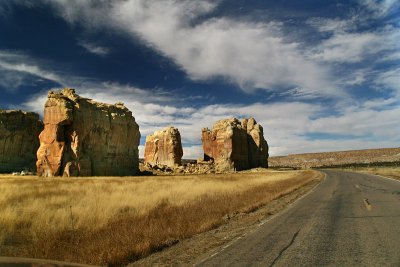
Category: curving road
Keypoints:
(350, 219)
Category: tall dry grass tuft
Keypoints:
(115, 221)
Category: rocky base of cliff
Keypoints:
(189, 167)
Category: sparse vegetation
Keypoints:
(391, 172)
(118, 220)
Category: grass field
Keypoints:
(391, 172)
(119, 220)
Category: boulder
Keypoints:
(235, 145)
(164, 147)
(19, 132)
(82, 137)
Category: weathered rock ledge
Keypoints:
(235, 145)
(82, 137)
(19, 140)
(164, 147)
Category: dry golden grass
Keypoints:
(118, 220)
(391, 172)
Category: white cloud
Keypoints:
(349, 47)
(336, 25)
(395, 56)
(17, 69)
(35, 103)
(95, 49)
(357, 77)
(348, 40)
(32, 70)
(246, 53)
(382, 124)
(10, 80)
(380, 103)
(380, 8)
(141, 151)
(251, 55)
(389, 79)
(286, 125)
(193, 152)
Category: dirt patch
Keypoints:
(194, 250)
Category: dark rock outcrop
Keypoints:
(82, 137)
(19, 140)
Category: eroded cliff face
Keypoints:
(257, 146)
(235, 145)
(19, 140)
(164, 148)
(82, 137)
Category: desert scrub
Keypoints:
(114, 221)
(391, 172)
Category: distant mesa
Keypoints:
(18, 140)
(351, 158)
(164, 147)
(235, 145)
(82, 137)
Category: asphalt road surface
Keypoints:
(350, 219)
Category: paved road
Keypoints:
(350, 219)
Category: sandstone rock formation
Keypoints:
(84, 138)
(164, 148)
(235, 145)
(19, 140)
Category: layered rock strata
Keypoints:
(164, 147)
(82, 137)
(235, 145)
(19, 140)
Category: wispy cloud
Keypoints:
(252, 55)
(389, 79)
(380, 8)
(95, 49)
(349, 47)
(18, 69)
(30, 69)
(286, 124)
(249, 54)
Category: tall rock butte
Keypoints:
(235, 145)
(82, 137)
(19, 140)
(164, 147)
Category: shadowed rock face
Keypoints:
(84, 138)
(235, 145)
(164, 148)
(19, 140)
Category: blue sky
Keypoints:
(317, 75)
